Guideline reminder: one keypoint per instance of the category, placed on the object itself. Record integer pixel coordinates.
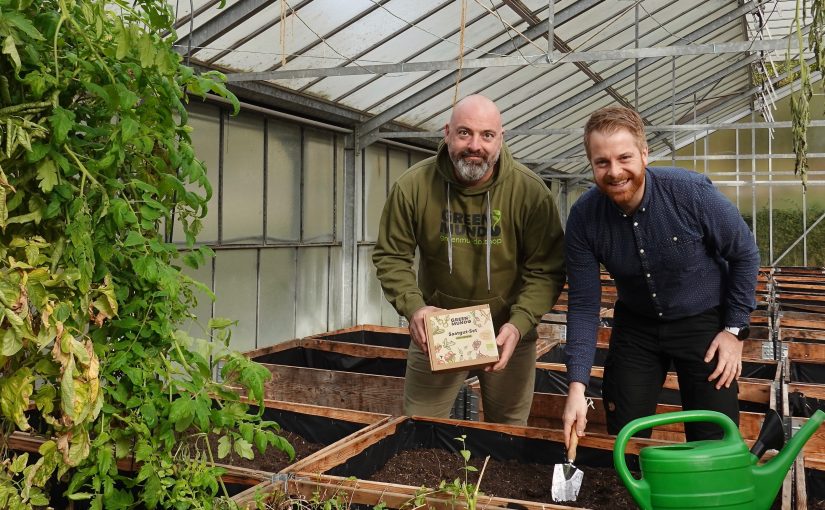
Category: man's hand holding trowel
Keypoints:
(567, 479)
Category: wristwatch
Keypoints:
(740, 333)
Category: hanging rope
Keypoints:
(460, 49)
(283, 32)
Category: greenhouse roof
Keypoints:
(391, 69)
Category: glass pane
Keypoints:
(318, 199)
(375, 189)
(336, 297)
(313, 291)
(236, 289)
(205, 121)
(276, 321)
(340, 199)
(243, 180)
(369, 289)
(283, 217)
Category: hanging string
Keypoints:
(283, 32)
(460, 49)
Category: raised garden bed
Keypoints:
(509, 446)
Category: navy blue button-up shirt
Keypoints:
(684, 250)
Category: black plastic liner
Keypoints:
(379, 338)
(413, 434)
(802, 406)
(815, 487)
(325, 360)
(315, 429)
(807, 372)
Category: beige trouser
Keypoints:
(506, 395)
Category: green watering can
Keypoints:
(715, 474)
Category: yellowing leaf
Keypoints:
(67, 394)
(14, 396)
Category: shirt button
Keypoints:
(635, 223)
(648, 275)
(654, 294)
(624, 215)
(660, 314)
(675, 238)
(643, 209)
(642, 250)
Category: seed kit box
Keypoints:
(461, 338)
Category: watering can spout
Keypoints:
(768, 477)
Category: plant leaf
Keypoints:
(47, 175)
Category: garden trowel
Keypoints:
(567, 478)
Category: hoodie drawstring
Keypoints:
(489, 235)
(449, 230)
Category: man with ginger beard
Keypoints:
(685, 266)
(488, 232)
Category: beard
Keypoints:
(624, 197)
(472, 172)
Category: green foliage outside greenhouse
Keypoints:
(787, 229)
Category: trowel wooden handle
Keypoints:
(574, 442)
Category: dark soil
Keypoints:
(273, 460)
(601, 487)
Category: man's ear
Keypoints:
(446, 130)
(644, 156)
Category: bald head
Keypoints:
(474, 136)
(476, 106)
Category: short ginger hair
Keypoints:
(611, 119)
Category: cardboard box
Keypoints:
(461, 338)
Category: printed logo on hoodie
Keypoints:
(471, 228)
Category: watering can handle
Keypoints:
(639, 488)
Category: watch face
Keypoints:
(743, 333)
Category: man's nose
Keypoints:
(612, 168)
(475, 143)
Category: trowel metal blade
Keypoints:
(566, 488)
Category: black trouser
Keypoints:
(641, 353)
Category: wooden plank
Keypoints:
(807, 321)
(331, 455)
(331, 388)
(374, 328)
(806, 351)
(801, 307)
(336, 413)
(353, 349)
(816, 444)
(341, 451)
(801, 491)
(787, 489)
(814, 461)
(792, 334)
(750, 389)
(547, 410)
(282, 346)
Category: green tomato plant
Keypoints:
(96, 164)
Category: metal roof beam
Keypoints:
(227, 19)
(434, 89)
(630, 70)
(520, 61)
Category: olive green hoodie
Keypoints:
(500, 243)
